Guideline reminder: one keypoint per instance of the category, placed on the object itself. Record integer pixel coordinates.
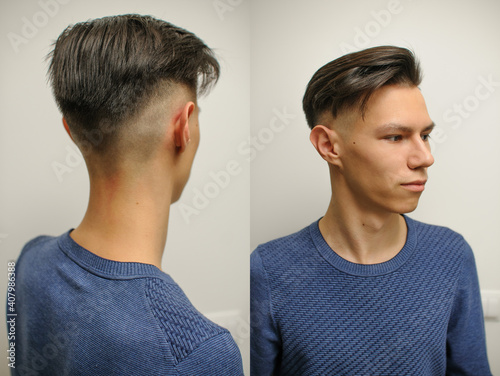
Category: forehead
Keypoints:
(395, 104)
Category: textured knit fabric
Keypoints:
(79, 314)
(315, 313)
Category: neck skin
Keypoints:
(127, 217)
(359, 235)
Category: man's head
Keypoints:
(117, 81)
(370, 123)
(346, 84)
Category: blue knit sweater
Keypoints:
(315, 313)
(79, 314)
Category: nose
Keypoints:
(420, 155)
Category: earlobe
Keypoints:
(325, 141)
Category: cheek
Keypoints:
(360, 159)
(373, 169)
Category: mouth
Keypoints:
(415, 186)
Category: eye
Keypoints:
(426, 137)
(394, 138)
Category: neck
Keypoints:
(360, 235)
(126, 219)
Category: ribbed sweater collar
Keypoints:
(104, 267)
(360, 269)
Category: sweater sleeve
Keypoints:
(466, 343)
(217, 356)
(265, 343)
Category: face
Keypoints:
(384, 157)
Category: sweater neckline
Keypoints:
(105, 267)
(361, 269)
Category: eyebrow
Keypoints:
(393, 127)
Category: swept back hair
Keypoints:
(105, 70)
(349, 81)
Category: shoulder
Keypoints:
(440, 241)
(285, 248)
(38, 242)
(190, 335)
(426, 230)
(37, 248)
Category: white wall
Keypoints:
(206, 253)
(457, 43)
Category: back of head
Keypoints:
(105, 71)
(348, 82)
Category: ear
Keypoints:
(327, 142)
(181, 128)
(65, 123)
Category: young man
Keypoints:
(94, 300)
(366, 290)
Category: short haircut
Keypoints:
(104, 71)
(349, 81)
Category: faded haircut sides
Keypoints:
(104, 71)
(348, 82)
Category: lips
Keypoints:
(415, 186)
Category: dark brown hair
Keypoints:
(103, 71)
(350, 80)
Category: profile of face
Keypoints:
(384, 156)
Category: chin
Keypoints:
(408, 208)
